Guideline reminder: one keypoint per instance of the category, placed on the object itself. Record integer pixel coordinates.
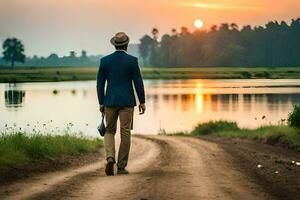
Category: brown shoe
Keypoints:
(109, 169)
(123, 171)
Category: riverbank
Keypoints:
(22, 155)
(268, 155)
(280, 135)
(54, 74)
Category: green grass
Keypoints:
(53, 74)
(222, 73)
(17, 149)
(270, 134)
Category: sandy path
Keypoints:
(161, 167)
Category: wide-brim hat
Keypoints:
(120, 39)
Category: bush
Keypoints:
(294, 117)
(214, 127)
(246, 75)
(264, 74)
(17, 149)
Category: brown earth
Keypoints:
(34, 168)
(278, 175)
(168, 167)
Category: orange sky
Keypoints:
(59, 26)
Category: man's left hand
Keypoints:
(142, 108)
(101, 108)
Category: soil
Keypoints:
(169, 167)
(33, 168)
(272, 166)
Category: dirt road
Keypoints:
(162, 167)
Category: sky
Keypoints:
(60, 26)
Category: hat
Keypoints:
(120, 39)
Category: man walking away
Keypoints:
(119, 70)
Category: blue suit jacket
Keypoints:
(119, 70)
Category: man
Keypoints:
(119, 70)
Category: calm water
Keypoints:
(172, 105)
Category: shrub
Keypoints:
(264, 74)
(294, 117)
(17, 149)
(213, 127)
(246, 75)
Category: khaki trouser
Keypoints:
(111, 115)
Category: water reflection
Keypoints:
(14, 97)
(172, 106)
(224, 102)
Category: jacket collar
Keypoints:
(121, 51)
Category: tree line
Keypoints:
(226, 45)
(14, 53)
(71, 60)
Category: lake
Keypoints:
(172, 105)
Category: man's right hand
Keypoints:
(142, 108)
(101, 108)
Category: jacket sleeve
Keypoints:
(101, 78)
(138, 82)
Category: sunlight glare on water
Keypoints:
(172, 105)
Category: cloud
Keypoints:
(218, 6)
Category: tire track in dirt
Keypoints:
(161, 167)
(60, 184)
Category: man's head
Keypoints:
(120, 41)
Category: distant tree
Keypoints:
(174, 32)
(224, 27)
(13, 51)
(144, 48)
(155, 33)
(83, 54)
(275, 44)
(52, 60)
(295, 39)
(72, 54)
(184, 31)
(53, 56)
(214, 28)
(234, 26)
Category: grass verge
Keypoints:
(19, 149)
(281, 134)
(54, 74)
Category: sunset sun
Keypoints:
(198, 23)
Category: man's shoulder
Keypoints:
(113, 56)
(131, 59)
(131, 56)
(107, 57)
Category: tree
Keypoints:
(174, 32)
(234, 26)
(214, 28)
(184, 31)
(83, 54)
(275, 44)
(72, 54)
(13, 51)
(144, 48)
(53, 56)
(155, 33)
